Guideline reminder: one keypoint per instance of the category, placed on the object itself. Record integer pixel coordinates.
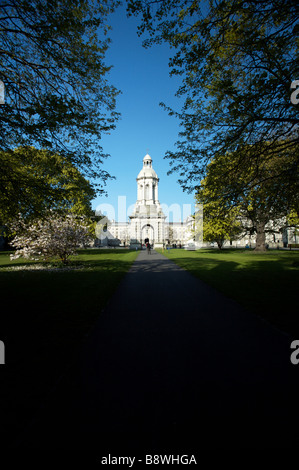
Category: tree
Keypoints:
(219, 223)
(33, 181)
(237, 60)
(54, 236)
(263, 197)
(56, 92)
(170, 235)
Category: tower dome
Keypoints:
(147, 170)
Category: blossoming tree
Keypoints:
(54, 236)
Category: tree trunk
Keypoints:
(260, 237)
(64, 259)
(220, 244)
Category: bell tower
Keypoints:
(148, 220)
(147, 184)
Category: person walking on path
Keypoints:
(148, 247)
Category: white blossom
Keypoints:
(55, 236)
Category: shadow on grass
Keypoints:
(45, 317)
(264, 283)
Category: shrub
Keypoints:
(54, 236)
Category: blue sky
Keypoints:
(143, 77)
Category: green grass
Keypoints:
(264, 283)
(45, 316)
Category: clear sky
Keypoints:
(143, 77)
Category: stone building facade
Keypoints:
(147, 220)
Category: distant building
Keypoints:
(147, 221)
(277, 234)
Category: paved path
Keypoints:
(173, 365)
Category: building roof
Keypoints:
(147, 170)
(147, 173)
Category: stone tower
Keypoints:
(148, 220)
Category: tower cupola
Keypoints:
(147, 161)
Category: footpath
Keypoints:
(174, 366)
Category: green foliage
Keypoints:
(293, 217)
(219, 225)
(220, 219)
(236, 187)
(56, 91)
(237, 59)
(33, 181)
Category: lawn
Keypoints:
(45, 317)
(264, 283)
